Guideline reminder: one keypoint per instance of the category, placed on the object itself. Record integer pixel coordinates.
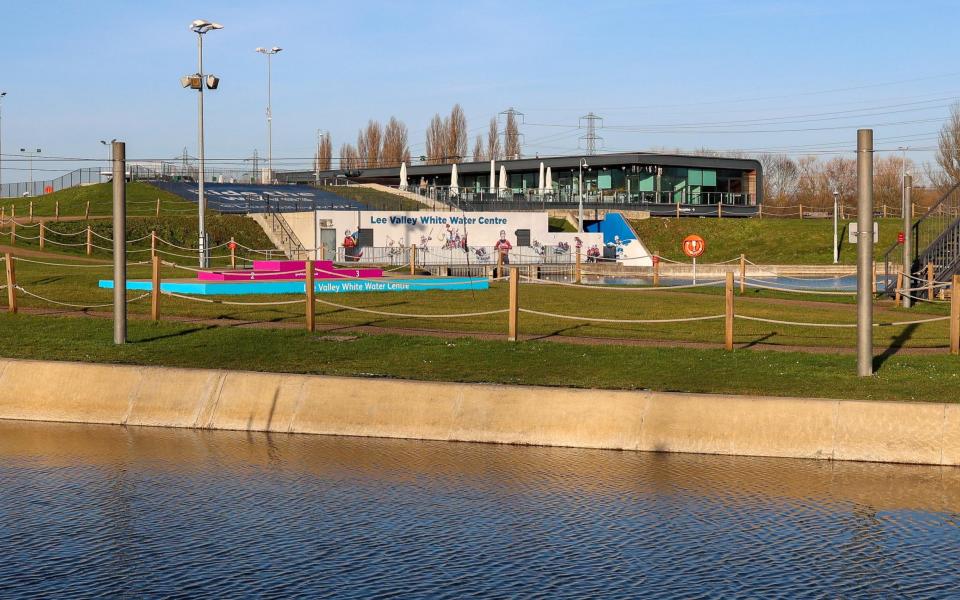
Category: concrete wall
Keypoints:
(924, 433)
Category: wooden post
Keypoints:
(11, 284)
(720, 210)
(578, 269)
(233, 253)
(929, 281)
(884, 211)
(760, 211)
(728, 320)
(153, 244)
(86, 212)
(89, 241)
(656, 269)
(13, 225)
(155, 290)
(743, 273)
(678, 210)
(514, 314)
(42, 235)
(56, 210)
(311, 305)
(499, 263)
(896, 296)
(954, 315)
(31, 212)
(801, 212)
(413, 259)
(158, 208)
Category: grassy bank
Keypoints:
(78, 285)
(764, 241)
(141, 201)
(374, 199)
(929, 378)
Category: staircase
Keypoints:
(281, 234)
(935, 239)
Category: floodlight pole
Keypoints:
(119, 152)
(836, 206)
(864, 252)
(2, 94)
(583, 163)
(201, 197)
(907, 210)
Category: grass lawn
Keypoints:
(924, 378)
(141, 201)
(764, 241)
(375, 199)
(78, 285)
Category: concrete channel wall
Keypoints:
(921, 433)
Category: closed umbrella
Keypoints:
(549, 185)
(403, 176)
(454, 186)
(503, 177)
(493, 176)
(540, 180)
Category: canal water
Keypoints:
(103, 511)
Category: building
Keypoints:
(659, 183)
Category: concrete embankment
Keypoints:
(922, 433)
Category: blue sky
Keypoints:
(772, 75)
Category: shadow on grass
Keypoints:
(759, 340)
(175, 334)
(898, 342)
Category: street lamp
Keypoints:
(836, 205)
(109, 146)
(2, 94)
(269, 54)
(30, 160)
(583, 163)
(197, 82)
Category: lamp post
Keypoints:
(109, 146)
(29, 156)
(197, 82)
(2, 94)
(269, 54)
(583, 163)
(836, 206)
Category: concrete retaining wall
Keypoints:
(923, 433)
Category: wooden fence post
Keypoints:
(884, 211)
(801, 212)
(743, 273)
(31, 212)
(11, 284)
(86, 212)
(720, 210)
(678, 210)
(155, 290)
(514, 314)
(56, 210)
(760, 211)
(42, 235)
(153, 244)
(233, 253)
(577, 268)
(413, 259)
(13, 225)
(897, 299)
(309, 289)
(929, 281)
(656, 268)
(158, 208)
(499, 263)
(89, 241)
(954, 315)
(728, 319)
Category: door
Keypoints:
(328, 243)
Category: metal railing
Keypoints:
(74, 178)
(470, 256)
(935, 239)
(287, 239)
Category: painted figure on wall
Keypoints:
(503, 246)
(351, 250)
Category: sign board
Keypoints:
(853, 233)
(693, 246)
(901, 238)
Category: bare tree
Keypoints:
(478, 154)
(457, 134)
(436, 140)
(395, 149)
(779, 177)
(493, 141)
(369, 144)
(511, 136)
(349, 158)
(948, 148)
(324, 152)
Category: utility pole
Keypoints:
(269, 54)
(864, 252)
(2, 94)
(119, 153)
(907, 211)
(836, 241)
(511, 139)
(591, 138)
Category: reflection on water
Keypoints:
(107, 511)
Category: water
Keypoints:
(94, 511)
(839, 283)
